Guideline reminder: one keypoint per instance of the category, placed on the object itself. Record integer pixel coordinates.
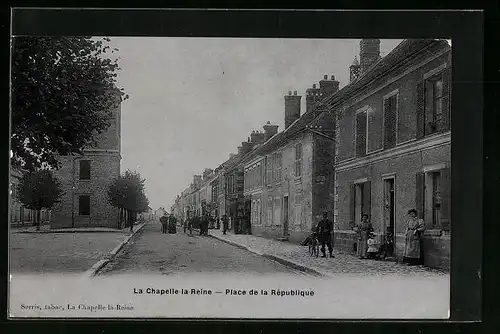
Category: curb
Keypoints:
(94, 270)
(275, 258)
(58, 231)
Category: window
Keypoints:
(269, 170)
(298, 208)
(278, 167)
(361, 133)
(390, 121)
(84, 169)
(433, 197)
(434, 103)
(277, 211)
(298, 160)
(84, 205)
(270, 211)
(360, 200)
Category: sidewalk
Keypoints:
(45, 228)
(298, 256)
(41, 252)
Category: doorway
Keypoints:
(285, 217)
(389, 209)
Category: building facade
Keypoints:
(288, 179)
(85, 179)
(394, 146)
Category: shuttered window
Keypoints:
(270, 211)
(433, 104)
(298, 209)
(390, 119)
(269, 170)
(277, 211)
(298, 160)
(361, 129)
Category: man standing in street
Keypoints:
(325, 229)
(225, 224)
(164, 222)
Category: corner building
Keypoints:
(394, 147)
(85, 179)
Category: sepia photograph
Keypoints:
(226, 178)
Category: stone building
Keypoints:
(85, 179)
(393, 153)
(288, 179)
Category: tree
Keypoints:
(38, 190)
(63, 93)
(127, 192)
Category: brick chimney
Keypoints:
(327, 87)
(256, 137)
(197, 180)
(312, 97)
(292, 108)
(369, 53)
(269, 130)
(246, 147)
(207, 172)
(354, 69)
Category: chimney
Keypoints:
(257, 137)
(292, 108)
(312, 96)
(328, 87)
(269, 130)
(369, 53)
(354, 69)
(207, 172)
(246, 147)
(240, 149)
(197, 180)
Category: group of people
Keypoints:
(168, 224)
(204, 223)
(368, 247)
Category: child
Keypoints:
(372, 247)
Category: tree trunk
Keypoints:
(37, 219)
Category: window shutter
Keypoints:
(445, 199)
(429, 108)
(352, 196)
(419, 194)
(361, 134)
(367, 196)
(390, 122)
(420, 109)
(446, 99)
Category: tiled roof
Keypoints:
(314, 117)
(396, 58)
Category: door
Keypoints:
(389, 207)
(285, 216)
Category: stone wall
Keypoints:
(104, 167)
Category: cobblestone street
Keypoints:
(60, 252)
(151, 252)
(343, 263)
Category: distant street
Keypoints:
(153, 252)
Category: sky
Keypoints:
(192, 101)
